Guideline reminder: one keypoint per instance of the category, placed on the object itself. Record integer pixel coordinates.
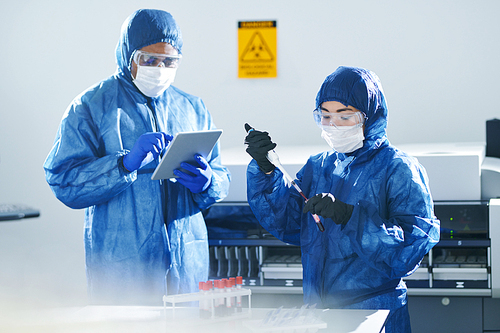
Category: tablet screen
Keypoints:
(183, 148)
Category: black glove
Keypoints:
(259, 143)
(325, 204)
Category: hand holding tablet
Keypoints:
(197, 178)
(183, 148)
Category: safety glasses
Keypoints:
(337, 119)
(142, 58)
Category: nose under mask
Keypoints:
(344, 139)
(153, 81)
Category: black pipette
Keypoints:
(274, 159)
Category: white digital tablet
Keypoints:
(182, 149)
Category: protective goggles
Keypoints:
(344, 118)
(142, 58)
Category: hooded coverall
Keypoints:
(143, 238)
(360, 264)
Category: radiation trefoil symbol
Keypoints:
(257, 50)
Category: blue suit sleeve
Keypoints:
(395, 239)
(78, 173)
(276, 209)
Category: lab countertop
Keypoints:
(124, 319)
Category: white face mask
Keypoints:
(153, 81)
(344, 139)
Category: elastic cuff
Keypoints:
(268, 171)
(344, 212)
(122, 166)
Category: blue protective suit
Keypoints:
(139, 233)
(360, 264)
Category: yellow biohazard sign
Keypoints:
(257, 49)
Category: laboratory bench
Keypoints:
(124, 319)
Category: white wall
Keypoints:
(438, 62)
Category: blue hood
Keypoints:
(362, 89)
(145, 27)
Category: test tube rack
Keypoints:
(211, 297)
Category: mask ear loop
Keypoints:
(365, 117)
(363, 121)
(133, 59)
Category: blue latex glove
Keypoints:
(200, 178)
(146, 149)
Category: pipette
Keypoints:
(274, 159)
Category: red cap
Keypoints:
(206, 286)
(233, 281)
(239, 280)
(201, 285)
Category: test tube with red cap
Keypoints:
(227, 289)
(239, 284)
(232, 281)
(221, 306)
(203, 303)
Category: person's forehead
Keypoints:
(161, 48)
(334, 106)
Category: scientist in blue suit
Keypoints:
(143, 238)
(373, 200)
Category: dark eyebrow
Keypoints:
(339, 110)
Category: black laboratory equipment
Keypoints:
(239, 246)
(460, 261)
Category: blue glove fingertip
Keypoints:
(168, 137)
(202, 162)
